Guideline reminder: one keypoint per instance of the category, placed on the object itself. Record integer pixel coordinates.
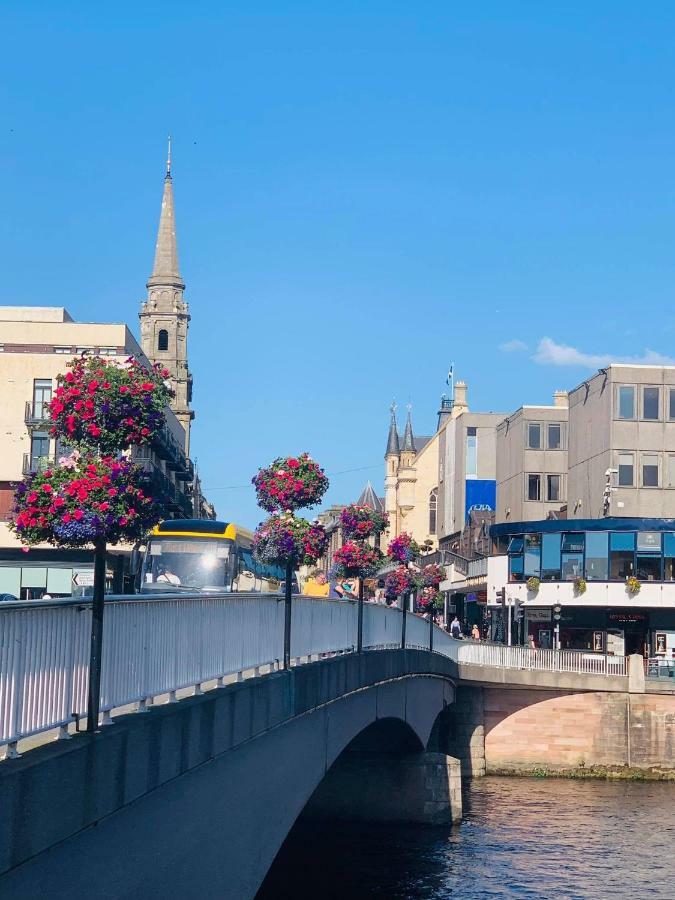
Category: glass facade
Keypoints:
(593, 555)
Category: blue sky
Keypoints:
(364, 192)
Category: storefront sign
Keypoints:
(627, 618)
(538, 615)
(599, 641)
(660, 643)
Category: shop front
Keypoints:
(616, 632)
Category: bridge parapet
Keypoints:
(162, 644)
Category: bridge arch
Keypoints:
(213, 828)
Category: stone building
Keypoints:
(411, 482)
(164, 314)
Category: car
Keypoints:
(9, 597)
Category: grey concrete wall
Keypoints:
(597, 436)
(194, 799)
(515, 460)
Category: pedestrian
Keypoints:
(456, 629)
(317, 585)
(530, 642)
(475, 632)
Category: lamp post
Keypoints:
(557, 611)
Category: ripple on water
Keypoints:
(521, 838)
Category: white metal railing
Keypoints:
(575, 661)
(159, 644)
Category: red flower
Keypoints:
(47, 488)
(78, 514)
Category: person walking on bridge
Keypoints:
(456, 629)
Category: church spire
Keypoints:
(164, 315)
(165, 270)
(392, 440)
(408, 438)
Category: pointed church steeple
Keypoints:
(392, 439)
(165, 270)
(408, 437)
(164, 314)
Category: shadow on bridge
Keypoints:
(194, 799)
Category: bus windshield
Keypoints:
(174, 563)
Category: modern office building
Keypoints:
(605, 564)
(531, 456)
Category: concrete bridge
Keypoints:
(194, 798)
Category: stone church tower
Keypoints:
(164, 314)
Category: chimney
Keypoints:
(560, 399)
(460, 405)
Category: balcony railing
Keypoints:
(33, 464)
(36, 412)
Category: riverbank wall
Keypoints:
(499, 730)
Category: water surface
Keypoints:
(521, 837)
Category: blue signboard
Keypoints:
(480, 493)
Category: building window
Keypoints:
(42, 394)
(650, 470)
(532, 555)
(471, 453)
(163, 339)
(108, 351)
(597, 559)
(670, 471)
(533, 487)
(669, 556)
(62, 349)
(648, 566)
(433, 505)
(554, 436)
(626, 465)
(533, 436)
(550, 557)
(515, 552)
(39, 450)
(83, 351)
(650, 403)
(553, 488)
(572, 555)
(625, 401)
(621, 555)
(671, 403)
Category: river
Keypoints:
(520, 837)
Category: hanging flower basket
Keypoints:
(86, 498)
(106, 406)
(397, 582)
(362, 522)
(533, 584)
(580, 585)
(633, 585)
(285, 537)
(290, 483)
(355, 560)
(403, 548)
(430, 600)
(432, 575)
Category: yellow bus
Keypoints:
(204, 555)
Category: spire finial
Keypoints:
(392, 409)
(168, 159)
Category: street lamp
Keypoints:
(557, 611)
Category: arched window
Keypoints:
(433, 504)
(163, 339)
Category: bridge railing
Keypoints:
(157, 645)
(575, 661)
